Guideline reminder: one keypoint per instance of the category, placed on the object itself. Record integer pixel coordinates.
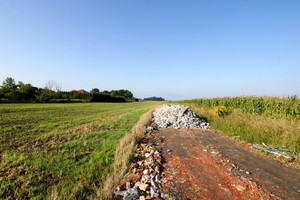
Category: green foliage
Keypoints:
(100, 97)
(8, 85)
(11, 92)
(16, 92)
(122, 93)
(4, 100)
(95, 90)
(267, 106)
(62, 149)
(154, 99)
(26, 91)
(67, 100)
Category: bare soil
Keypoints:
(205, 165)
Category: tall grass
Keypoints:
(267, 106)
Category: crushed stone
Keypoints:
(178, 116)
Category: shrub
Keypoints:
(4, 100)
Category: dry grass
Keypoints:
(122, 155)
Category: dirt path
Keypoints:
(204, 165)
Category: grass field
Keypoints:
(274, 121)
(61, 150)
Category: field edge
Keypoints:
(122, 156)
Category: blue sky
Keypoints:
(173, 49)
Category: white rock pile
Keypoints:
(178, 116)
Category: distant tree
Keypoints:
(127, 94)
(8, 85)
(154, 99)
(105, 92)
(21, 92)
(1, 94)
(49, 85)
(122, 93)
(9, 90)
(48, 92)
(57, 87)
(52, 85)
(95, 90)
(26, 91)
(135, 99)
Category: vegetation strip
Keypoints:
(123, 154)
(266, 106)
(62, 150)
(269, 120)
(12, 92)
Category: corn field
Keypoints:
(275, 107)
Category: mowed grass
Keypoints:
(61, 150)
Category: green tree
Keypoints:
(8, 85)
(26, 91)
(122, 93)
(106, 92)
(95, 90)
(154, 99)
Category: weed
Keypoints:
(220, 111)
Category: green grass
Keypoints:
(61, 150)
(274, 121)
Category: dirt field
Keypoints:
(205, 165)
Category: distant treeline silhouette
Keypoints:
(154, 99)
(12, 92)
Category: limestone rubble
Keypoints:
(178, 116)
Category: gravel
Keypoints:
(178, 116)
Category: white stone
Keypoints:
(178, 116)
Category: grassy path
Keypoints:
(61, 150)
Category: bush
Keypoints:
(4, 100)
(59, 101)
(100, 97)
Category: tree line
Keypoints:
(12, 92)
(154, 99)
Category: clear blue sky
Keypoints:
(173, 49)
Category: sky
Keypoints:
(166, 48)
